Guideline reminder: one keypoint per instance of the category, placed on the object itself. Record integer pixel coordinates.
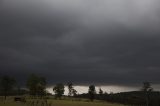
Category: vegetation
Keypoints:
(58, 90)
(147, 89)
(6, 85)
(70, 87)
(36, 85)
(91, 92)
(71, 90)
(53, 102)
(100, 91)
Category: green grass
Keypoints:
(54, 102)
(80, 103)
(9, 103)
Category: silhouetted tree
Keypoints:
(70, 87)
(41, 86)
(91, 92)
(74, 92)
(105, 93)
(36, 85)
(18, 90)
(100, 91)
(32, 84)
(59, 90)
(6, 84)
(71, 90)
(147, 89)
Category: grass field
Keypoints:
(53, 102)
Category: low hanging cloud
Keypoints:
(103, 42)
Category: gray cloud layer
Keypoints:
(84, 41)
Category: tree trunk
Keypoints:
(5, 95)
(147, 99)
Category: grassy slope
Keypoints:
(63, 103)
(80, 103)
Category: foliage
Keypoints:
(6, 85)
(71, 90)
(59, 90)
(70, 87)
(74, 92)
(100, 91)
(36, 85)
(91, 92)
(147, 89)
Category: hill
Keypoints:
(129, 98)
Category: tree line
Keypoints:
(36, 87)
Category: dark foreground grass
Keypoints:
(53, 102)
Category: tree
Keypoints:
(41, 86)
(6, 85)
(59, 90)
(91, 92)
(100, 91)
(70, 87)
(71, 90)
(36, 85)
(147, 89)
(74, 92)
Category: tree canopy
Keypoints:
(6, 84)
(91, 92)
(58, 90)
(36, 85)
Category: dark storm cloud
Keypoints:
(103, 42)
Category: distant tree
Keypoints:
(70, 87)
(41, 86)
(100, 91)
(74, 92)
(36, 85)
(71, 90)
(111, 93)
(91, 92)
(105, 93)
(147, 89)
(6, 85)
(32, 82)
(18, 90)
(59, 90)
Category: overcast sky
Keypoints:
(109, 42)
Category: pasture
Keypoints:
(52, 102)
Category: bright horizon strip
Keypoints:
(109, 89)
(84, 89)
